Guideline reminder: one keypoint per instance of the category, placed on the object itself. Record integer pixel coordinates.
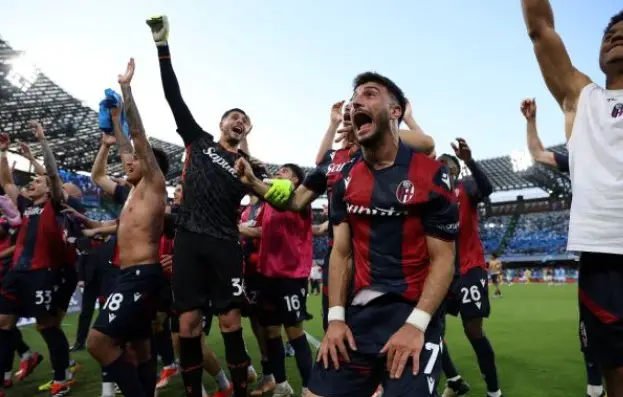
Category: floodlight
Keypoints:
(23, 73)
(520, 161)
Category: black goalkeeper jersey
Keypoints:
(212, 189)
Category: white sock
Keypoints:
(268, 378)
(454, 379)
(494, 393)
(108, 389)
(251, 370)
(26, 355)
(204, 392)
(221, 380)
(594, 391)
(8, 375)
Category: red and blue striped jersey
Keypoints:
(39, 242)
(328, 173)
(469, 252)
(390, 213)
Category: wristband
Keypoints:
(419, 319)
(336, 313)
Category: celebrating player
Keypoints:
(594, 377)
(207, 260)
(28, 289)
(130, 309)
(395, 215)
(470, 296)
(285, 262)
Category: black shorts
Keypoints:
(469, 295)
(67, 281)
(130, 308)
(495, 278)
(29, 293)
(207, 269)
(206, 320)
(372, 326)
(601, 306)
(282, 301)
(109, 279)
(252, 289)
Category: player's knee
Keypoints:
(473, 329)
(230, 321)
(273, 332)
(190, 324)
(294, 331)
(7, 322)
(99, 347)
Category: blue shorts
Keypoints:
(130, 308)
(372, 326)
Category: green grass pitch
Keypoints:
(533, 329)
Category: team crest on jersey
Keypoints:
(405, 191)
(617, 110)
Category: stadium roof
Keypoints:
(72, 129)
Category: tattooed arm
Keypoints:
(151, 169)
(56, 185)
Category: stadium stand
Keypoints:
(539, 230)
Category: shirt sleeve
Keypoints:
(187, 126)
(478, 187)
(121, 194)
(338, 212)
(316, 180)
(441, 215)
(562, 161)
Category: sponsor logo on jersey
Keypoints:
(376, 211)
(31, 211)
(220, 161)
(335, 167)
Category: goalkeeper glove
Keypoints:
(159, 29)
(279, 192)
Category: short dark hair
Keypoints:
(296, 170)
(451, 158)
(394, 91)
(228, 112)
(614, 20)
(162, 159)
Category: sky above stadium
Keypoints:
(465, 65)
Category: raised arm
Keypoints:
(10, 211)
(126, 151)
(49, 161)
(334, 122)
(535, 146)
(98, 171)
(142, 149)
(25, 151)
(483, 186)
(6, 176)
(415, 136)
(563, 80)
(187, 127)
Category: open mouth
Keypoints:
(362, 121)
(238, 130)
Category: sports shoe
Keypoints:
(77, 347)
(28, 365)
(289, 350)
(283, 390)
(378, 392)
(266, 384)
(456, 388)
(225, 392)
(59, 389)
(48, 385)
(166, 375)
(251, 375)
